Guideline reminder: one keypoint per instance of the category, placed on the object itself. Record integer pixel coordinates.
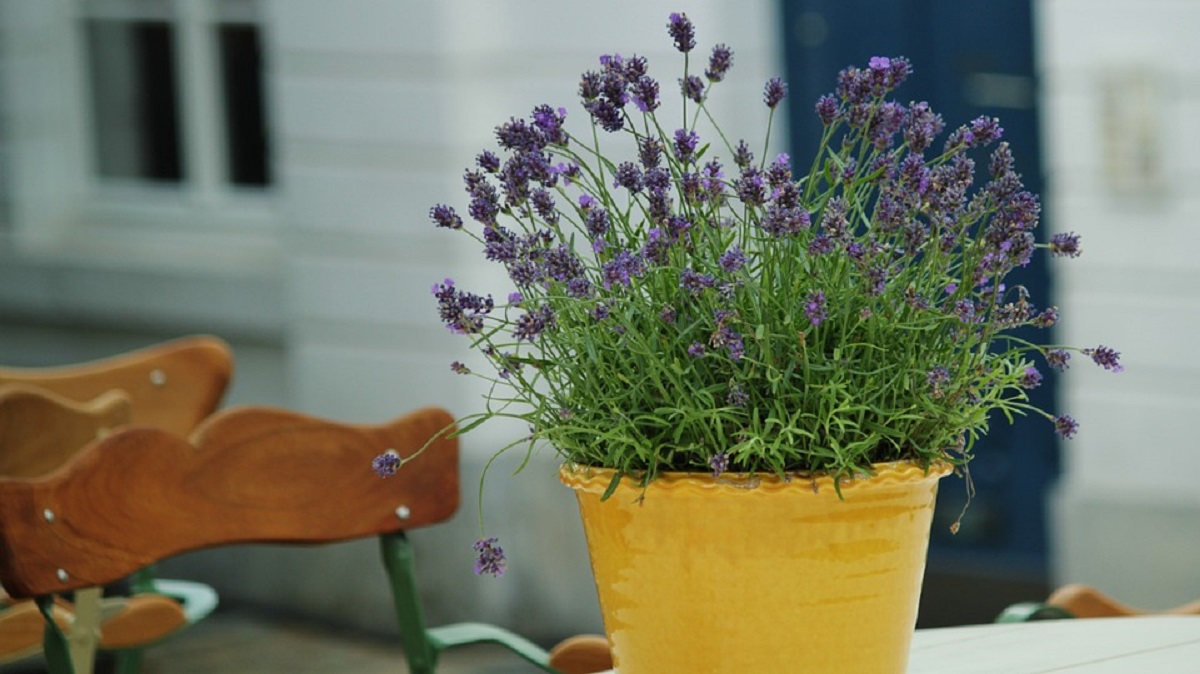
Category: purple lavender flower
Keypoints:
(733, 259)
(692, 87)
(685, 145)
(711, 182)
(833, 221)
(1002, 163)
(1106, 358)
(774, 92)
(965, 310)
(543, 205)
(606, 114)
(444, 216)
(981, 131)
(719, 63)
(386, 464)
(737, 397)
(696, 350)
(549, 121)
(458, 368)
(644, 92)
(629, 176)
(490, 557)
(533, 323)
(622, 269)
(488, 161)
(462, 312)
(1065, 245)
(649, 152)
(814, 307)
(937, 377)
(1058, 359)
(921, 126)
(667, 315)
(885, 74)
(730, 340)
(751, 187)
(782, 220)
(589, 86)
(742, 156)
(1031, 378)
(579, 288)
(1065, 426)
(779, 172)
(719, 463)
(597, 222)
(519, 135)
(821, 244)
(854, 87)
(885, 124)
(1047, 318)
(682, 31)
(695, 282)
(485, 202)
(601, 311)
(827, 109)
(876, 277)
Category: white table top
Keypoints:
(1150, 645)
(1158, 644)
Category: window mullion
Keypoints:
(201, 109)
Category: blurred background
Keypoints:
(262, 170)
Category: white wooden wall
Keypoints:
(1121, 95)
(377, 108)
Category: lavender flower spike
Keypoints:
(386, 464)
(719, 463)
(719, 63)
(1106, 358)
(444, 216)
(1065, 245)
(774, 93)
(1065, 426)
(682, 31)
(490, 558)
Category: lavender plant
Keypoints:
(695, 307)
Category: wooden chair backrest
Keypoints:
(248, 475)
(40, 431)
(174, 385)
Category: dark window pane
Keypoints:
(245, 120)
(135, 104)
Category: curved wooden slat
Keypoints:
(250, 475)
(21, 628)
(131, 622)
(173, 385)
(582, 654)
(1084, 601)
(40, 430)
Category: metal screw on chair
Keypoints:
(48, 514)
(403, 512)
(158, 377)
(62, 575)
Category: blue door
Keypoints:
(969, 58)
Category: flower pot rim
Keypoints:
(581, 477)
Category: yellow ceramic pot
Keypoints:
(759, 576)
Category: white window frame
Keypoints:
(66, 218)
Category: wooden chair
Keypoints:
(173, 385)
(248, 475)
(48, 414)
(1084, 601)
